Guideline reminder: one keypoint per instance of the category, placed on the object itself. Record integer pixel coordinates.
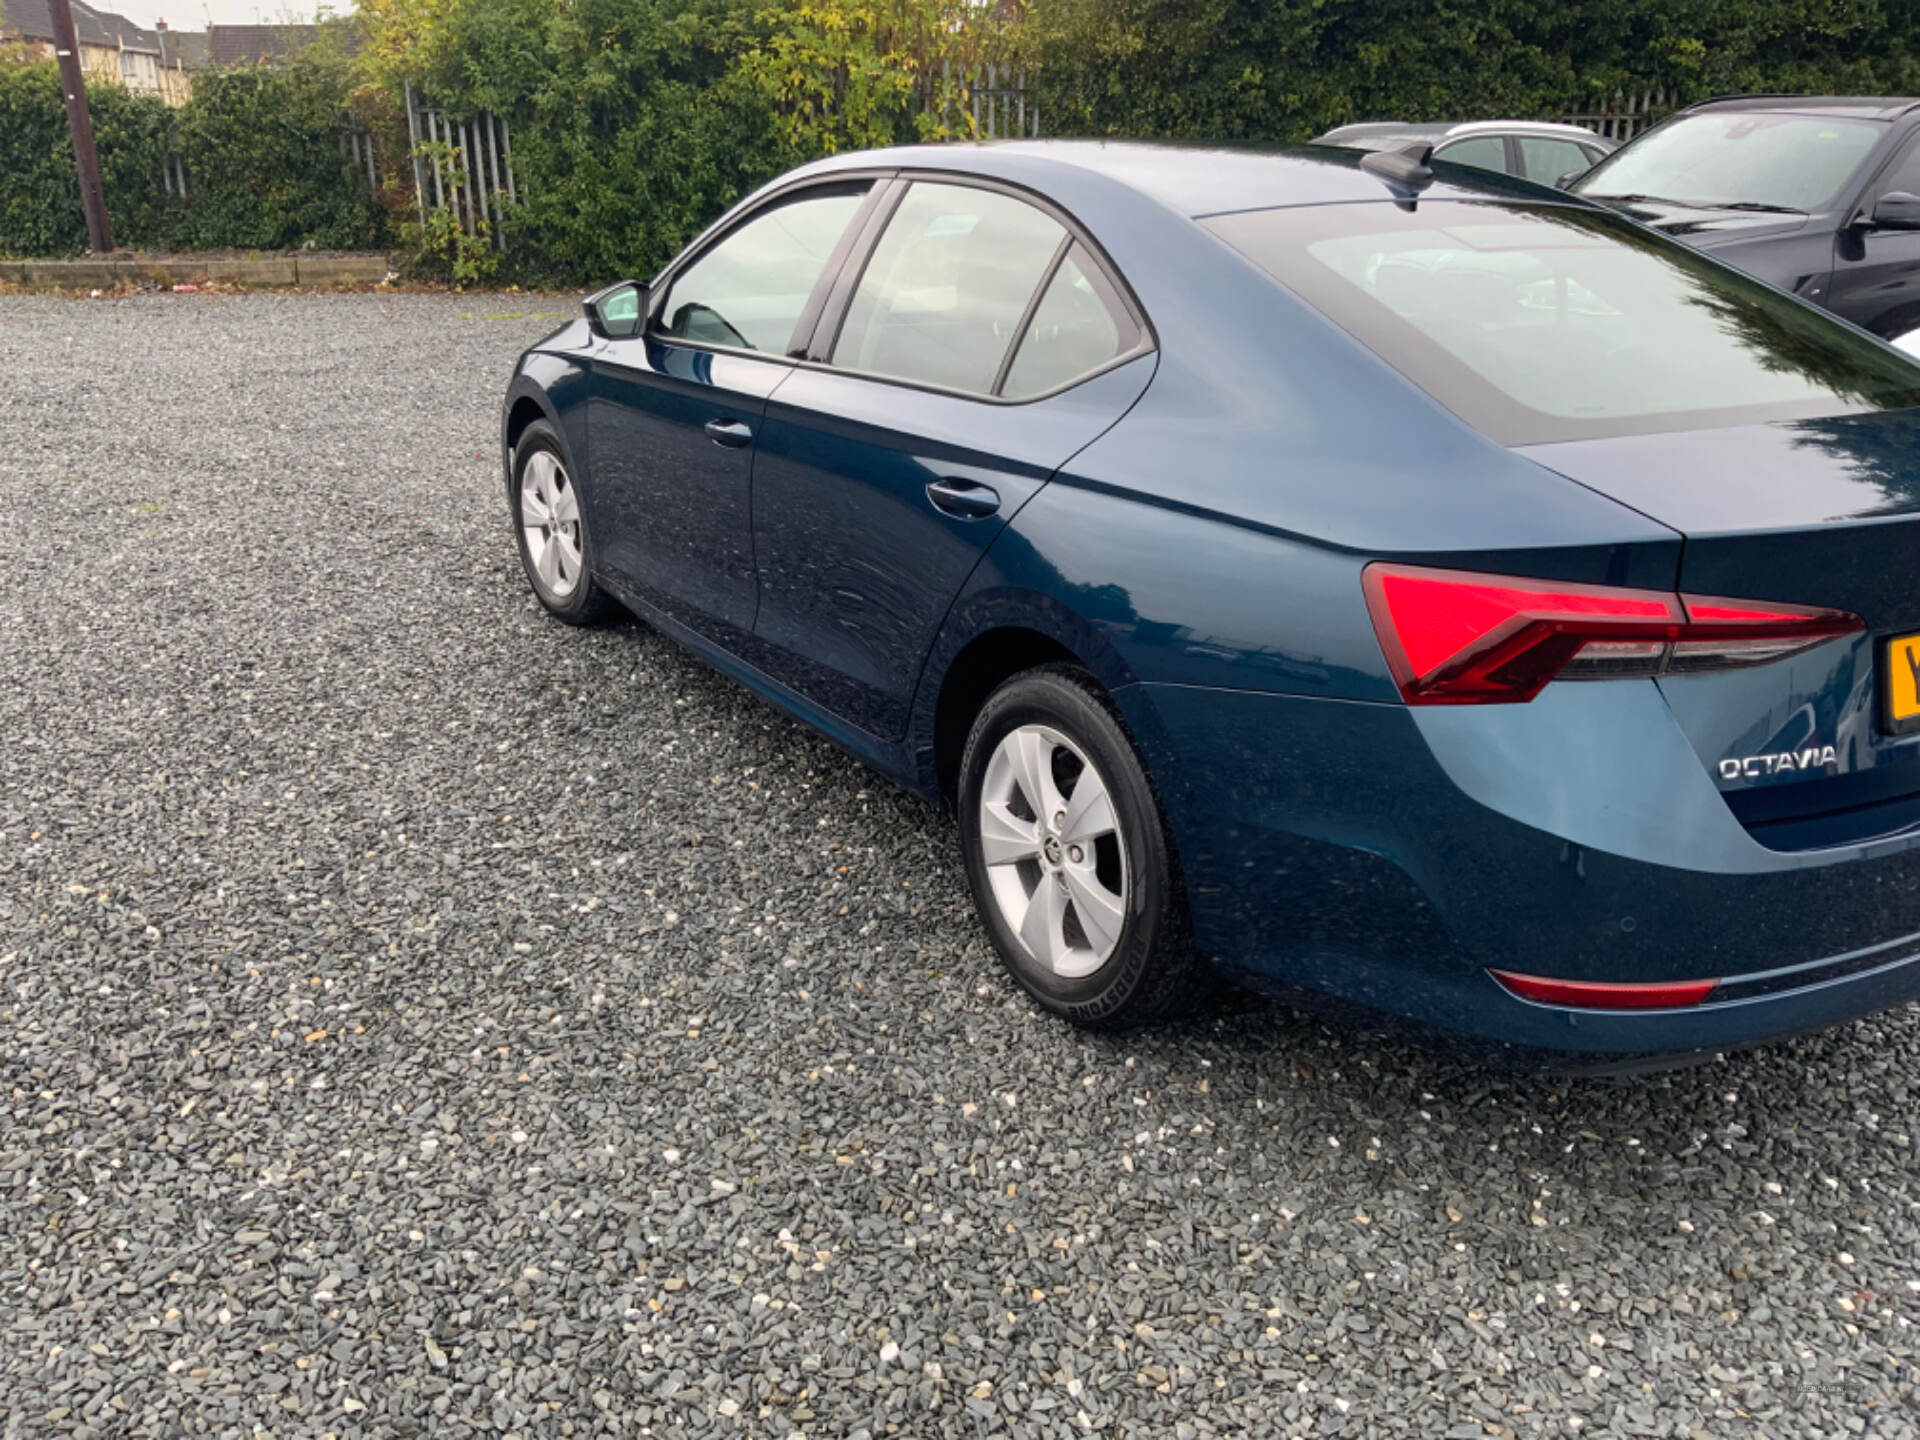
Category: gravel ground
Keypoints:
(422, 1018)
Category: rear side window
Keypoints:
(1483, 152)
(1078, 326)
(1546, 160)
(1539, 323)
(945, 289)
(748, 290)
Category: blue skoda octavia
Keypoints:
(1389, 582)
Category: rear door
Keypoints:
(675, 411)
(976, 347)
(1876, 273)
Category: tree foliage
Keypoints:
(635, 122)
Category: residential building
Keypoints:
(114, 50)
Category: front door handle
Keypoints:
(963, 499)
(731, 433)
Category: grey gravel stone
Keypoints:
(420, 1018)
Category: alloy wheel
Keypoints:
(1051, 842)
(550, 523)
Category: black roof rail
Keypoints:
(1408, 168)
(1910, 106)
(1737, 95)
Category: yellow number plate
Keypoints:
(1903, 680)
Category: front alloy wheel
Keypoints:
(550, 525)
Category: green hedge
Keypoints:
(39, 198)
(1288, 69)
(264, 165)
(634, 122)
(264, 168)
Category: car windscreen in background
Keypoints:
(1726, 157)
(1540, 323)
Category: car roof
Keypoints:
(1195, 180)
(1855, 107)
(1452, 129)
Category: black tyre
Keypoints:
(550, 525)
(1069, 858)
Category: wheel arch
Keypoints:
(552, 388)
(522, 411)
(990, 637)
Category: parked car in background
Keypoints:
(1536, 150)
(1819, 195)
(1313, 562)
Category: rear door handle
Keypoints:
(731, 433)
(963, 498)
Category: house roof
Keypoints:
(33, 19)
(250, 44)
(189, 47)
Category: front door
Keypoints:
(1876, 273)
(881, 476)
(675, 411)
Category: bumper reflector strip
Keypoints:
(1594, 995)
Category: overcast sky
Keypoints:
(194, 14)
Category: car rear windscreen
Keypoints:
(1541, 323)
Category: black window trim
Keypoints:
(1060, 253)
(833, 292)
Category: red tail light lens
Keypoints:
(1456, 638)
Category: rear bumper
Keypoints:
(1391, 857)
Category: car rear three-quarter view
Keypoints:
(1393, 584)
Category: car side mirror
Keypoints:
(1897, 210)
(1565, 182)
(618, 312)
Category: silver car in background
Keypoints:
(1543, 151)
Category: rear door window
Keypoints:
(747, 291)
(1546, 159)
(1483, 152)
(943, 294)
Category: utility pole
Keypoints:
(80, 126)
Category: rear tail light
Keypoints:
(1456, 638)
(1597, 995)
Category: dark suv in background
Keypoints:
(1819, 195)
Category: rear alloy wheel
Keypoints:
(1069, 858)
(1053, 851)
(551, 526)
